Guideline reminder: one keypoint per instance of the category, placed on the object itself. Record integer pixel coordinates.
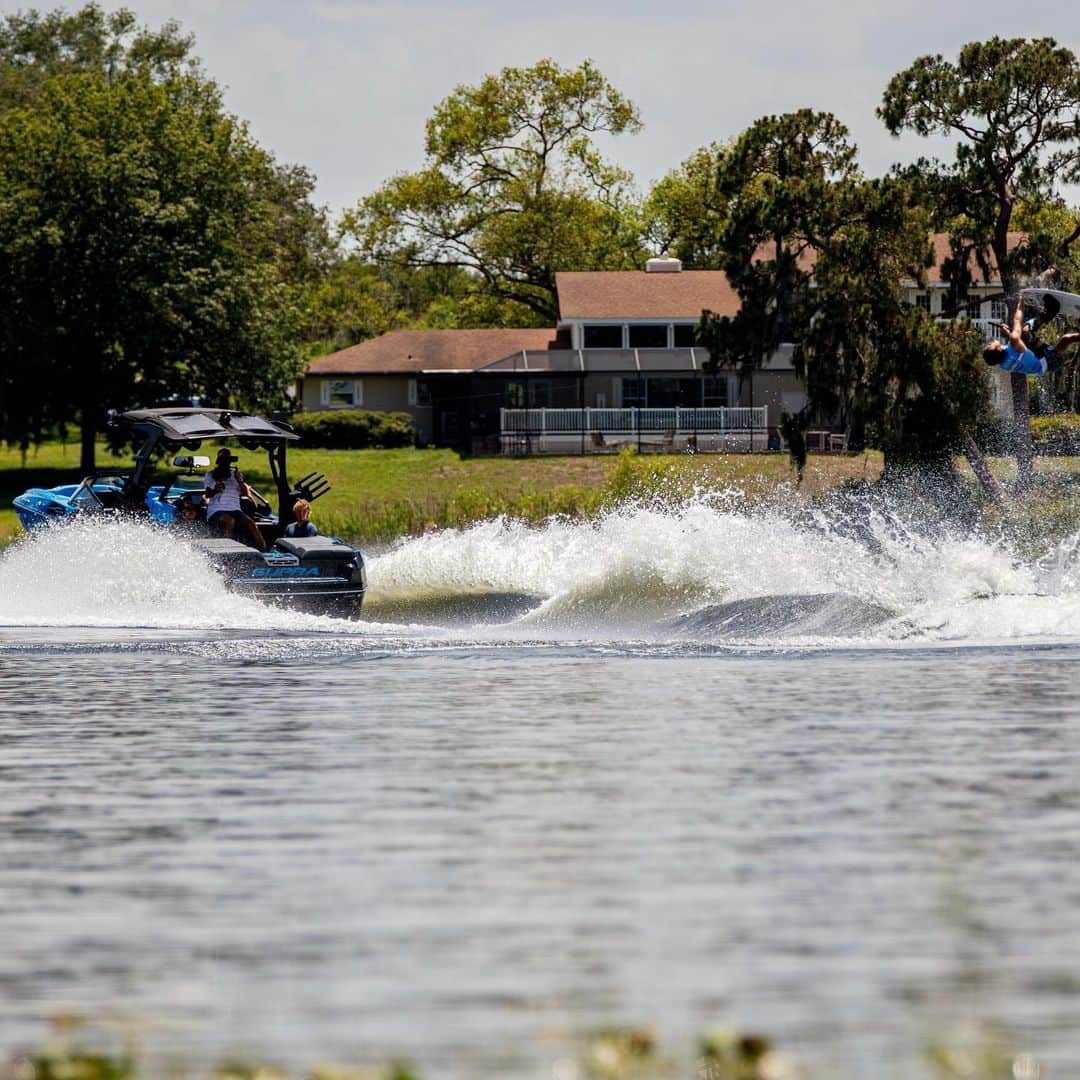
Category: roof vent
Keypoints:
(663, 265)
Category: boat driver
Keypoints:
(224, 487)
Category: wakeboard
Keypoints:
(1068, 304)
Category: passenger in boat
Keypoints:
(302, 524)
(224, 488)
(1016, 355)
(187, 517)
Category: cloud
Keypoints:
(345, 87)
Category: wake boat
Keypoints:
(320, 574)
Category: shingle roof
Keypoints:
(635, 294)
(405, 351)
(594, 294)
(943, 251)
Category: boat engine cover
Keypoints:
(317, 548)
(229, 554)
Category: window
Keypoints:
(633, 393)
(419, 392)
(999, 311)
(921, 300)
(648, 336)
(604, 336)
(342, 393)
(975, 307)
(662, 393)
(714, 392)
(683, 335)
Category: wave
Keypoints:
(706, 569)
(120, 573)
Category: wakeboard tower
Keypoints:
(320, 574)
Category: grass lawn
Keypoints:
(378, 494)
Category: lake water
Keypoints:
(682, 769)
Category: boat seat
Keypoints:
(313, 547)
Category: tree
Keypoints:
(36, 46)
(778, 183)
(355, 300)
(149, 250)
(514, 188)
(684, 212)
(1014, 106)
(816, 253)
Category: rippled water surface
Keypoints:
(682, 769)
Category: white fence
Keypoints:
(633, 421)
(990, 329)
(584, 431)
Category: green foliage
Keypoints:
(815, 252)
(149, 249)
(685, 212)
(783, 182)
(513, 189)
(1057, 435)
(623, 1054)
(1014, 106)
(36, 46)
(926, 386)
(353, 300)
(355, 429)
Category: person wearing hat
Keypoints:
(224, 487)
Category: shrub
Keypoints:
(355, 429)
(1058, 434)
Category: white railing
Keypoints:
(989, 328)
(633, 421)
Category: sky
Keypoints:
(346, 86)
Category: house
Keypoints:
(437, 376)
(623, 347)
(620, 366)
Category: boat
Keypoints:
(318, 574)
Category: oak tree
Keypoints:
(149, 248)
(514, 188)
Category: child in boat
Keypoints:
(302, 525)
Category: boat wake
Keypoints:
(712, 574)
(702, 572)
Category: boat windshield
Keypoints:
(85, 498)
